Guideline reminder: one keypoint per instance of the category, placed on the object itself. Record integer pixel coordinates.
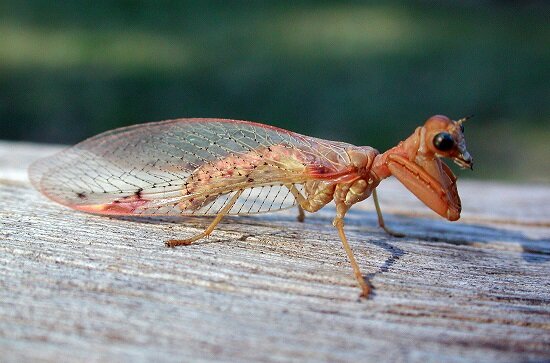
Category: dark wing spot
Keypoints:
(81, 195)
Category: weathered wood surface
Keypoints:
(78, 287)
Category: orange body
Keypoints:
(219, 167)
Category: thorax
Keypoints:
(356, 185)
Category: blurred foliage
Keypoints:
(362, 72)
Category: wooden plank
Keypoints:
(80, 287)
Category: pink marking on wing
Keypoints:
(123, 206)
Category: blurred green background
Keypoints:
(361, 72)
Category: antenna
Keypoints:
(464, 119)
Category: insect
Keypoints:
(226, 167)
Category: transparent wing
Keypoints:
(187, 166)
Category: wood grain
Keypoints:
(78, 287)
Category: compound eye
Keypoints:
(443, 141)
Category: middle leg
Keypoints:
(365, 288)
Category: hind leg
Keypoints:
(365, 288)
(209, 229)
